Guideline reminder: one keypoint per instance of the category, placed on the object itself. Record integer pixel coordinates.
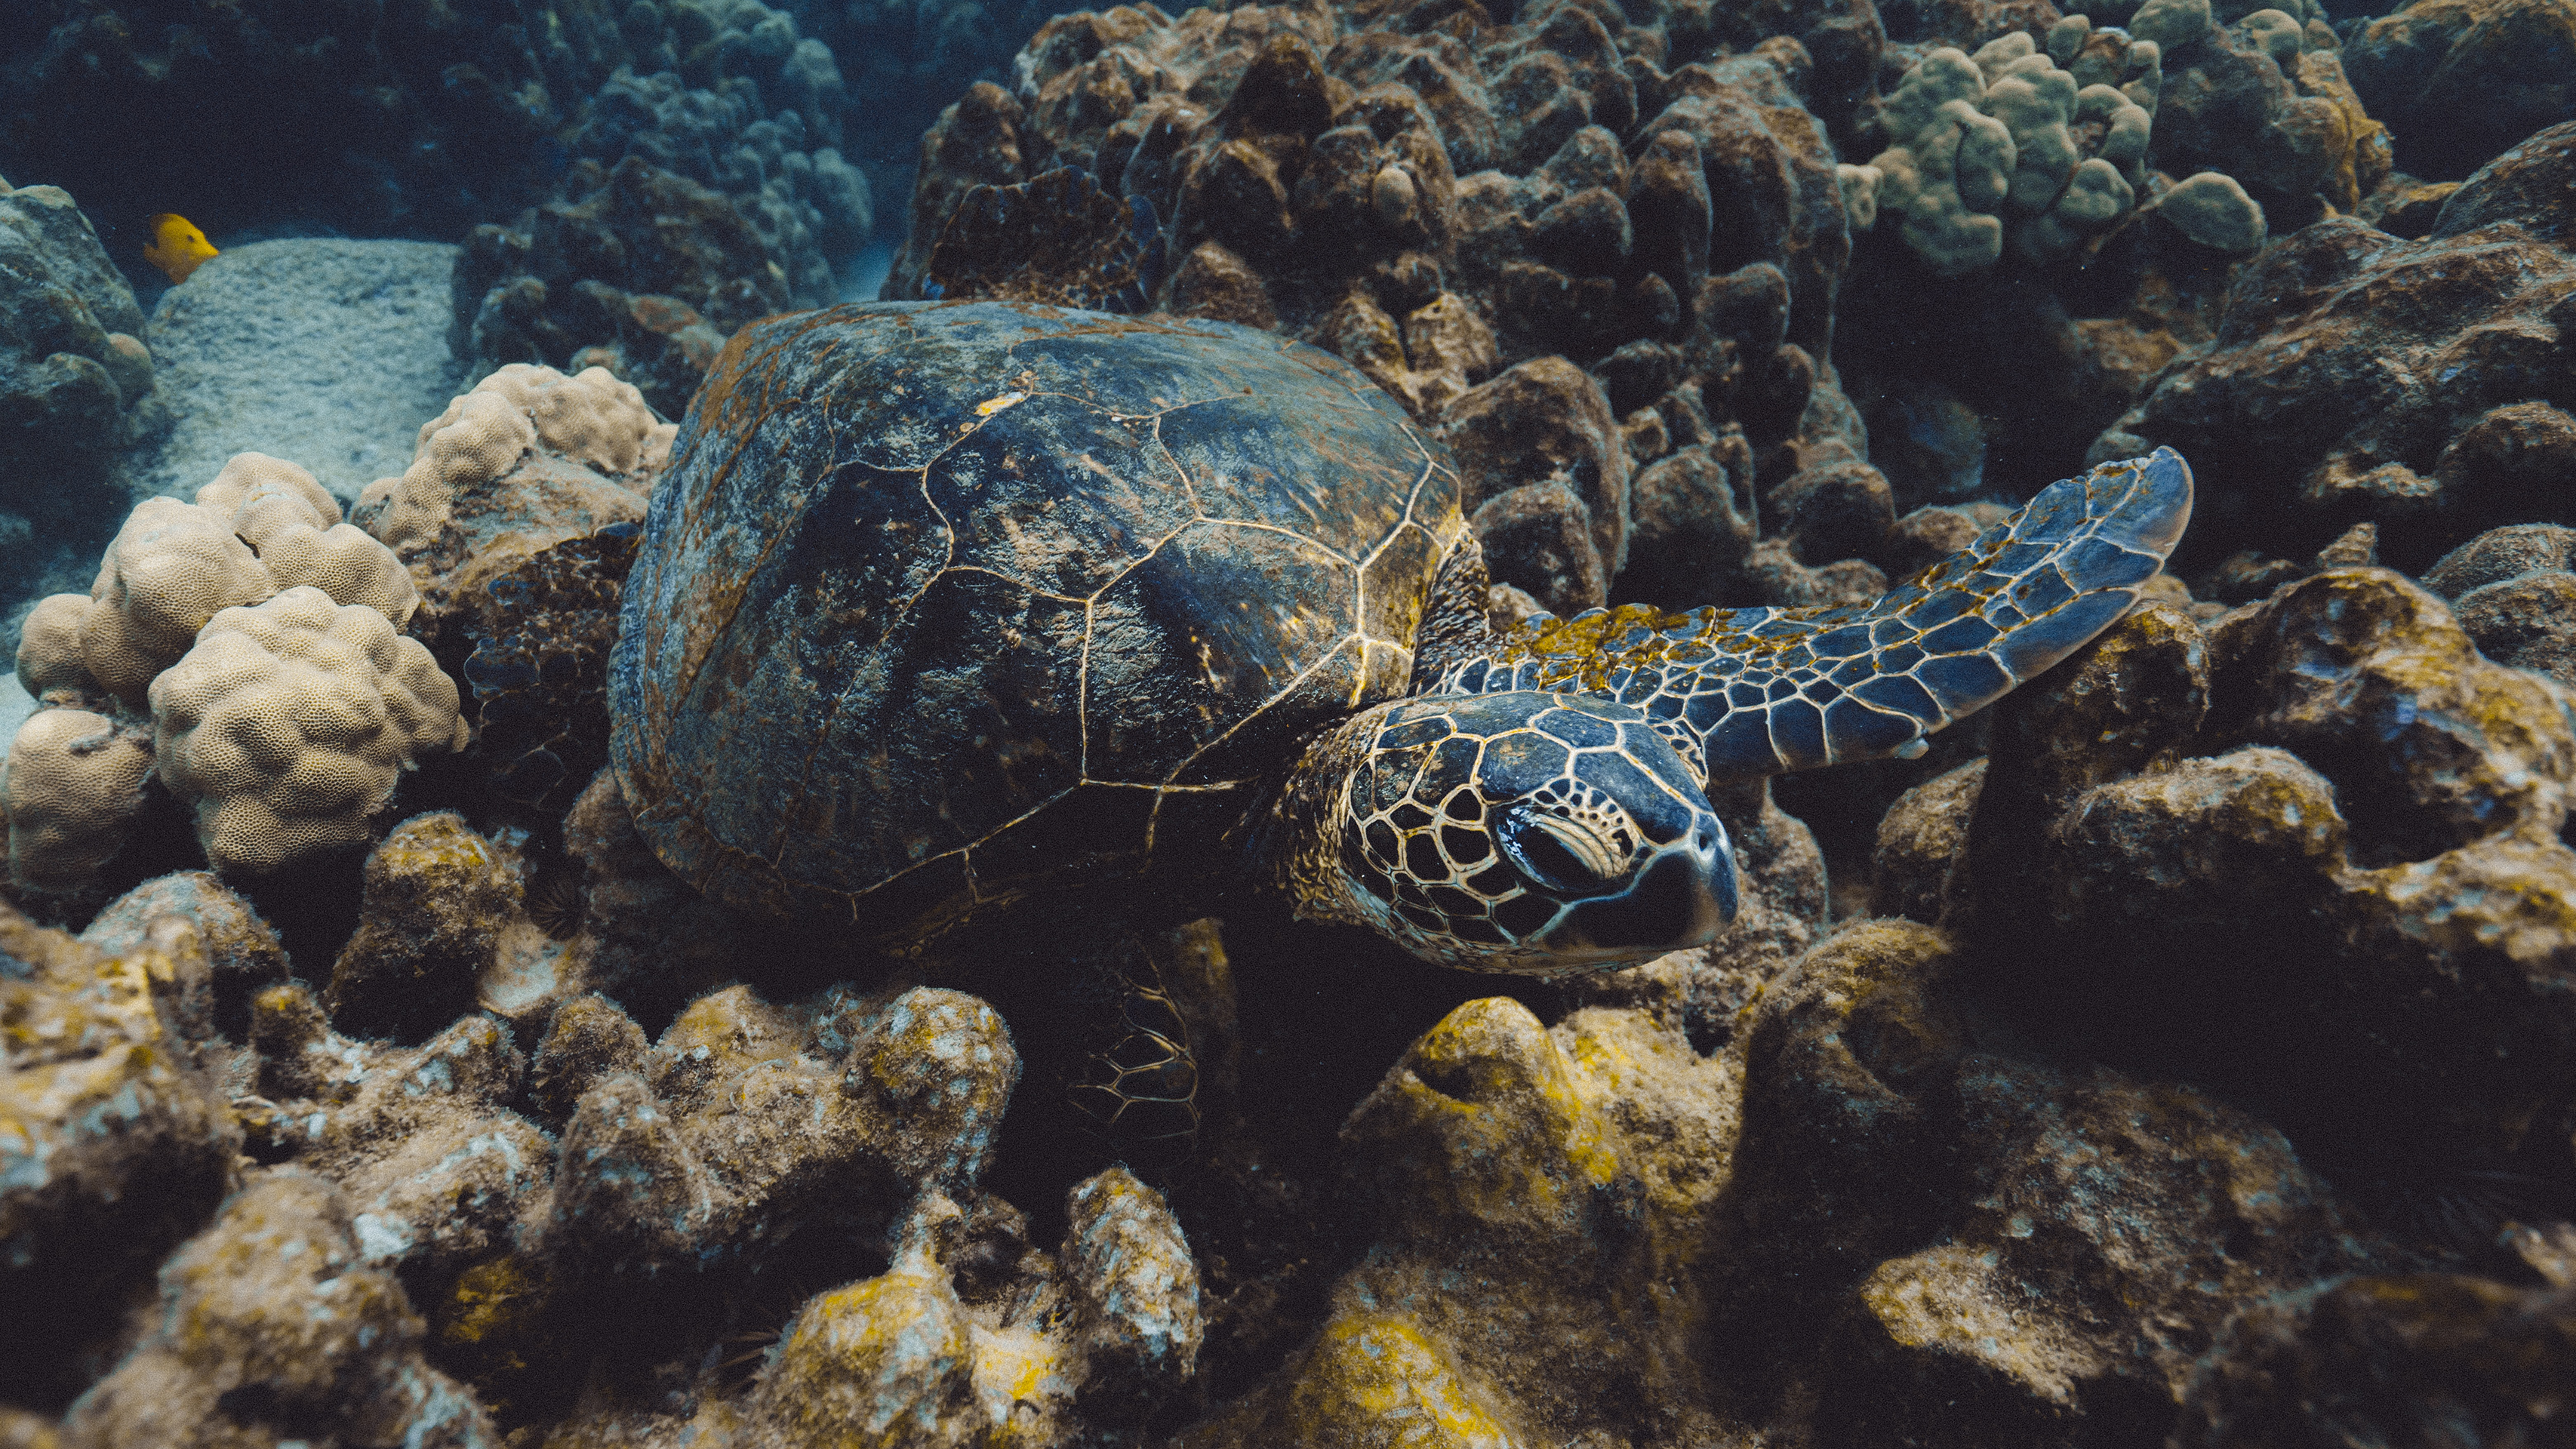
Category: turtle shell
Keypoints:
(946, 608)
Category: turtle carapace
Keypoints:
(973, 614)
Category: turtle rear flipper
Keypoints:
(1765, 691)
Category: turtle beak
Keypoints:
(1681, 897)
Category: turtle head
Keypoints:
(1526, 831)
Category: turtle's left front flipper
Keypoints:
(1763, 691)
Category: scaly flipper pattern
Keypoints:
(1764, 691)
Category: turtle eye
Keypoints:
(1559, 854)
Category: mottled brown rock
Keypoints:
(2352, 369)
(1838, 511)
(652, 943)
(1844, 1159)
(588, 1040)
(437, 1171)
(1539, 537)
(2370, 680)
(2461, 80)
(1538, 420)
(975, 142)
(1214, 282)
(437, 895)
(242, 952)
(116, 1132)
(2341, 895)
(1690, 536)
(2109, 1228)
(2420, 1359)
(1921, 841)
(269, 1319)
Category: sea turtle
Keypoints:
(979, 614)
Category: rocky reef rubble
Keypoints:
(2066, 1143)
(2179, 1053)
(1609, 254)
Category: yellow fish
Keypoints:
(177, 246)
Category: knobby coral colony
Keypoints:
(892, 910)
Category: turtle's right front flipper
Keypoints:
(1764, 691)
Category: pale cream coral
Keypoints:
(172, 567)
(590, 418)
(262, 525)
(480, 437)
(289, 724)
(70, 789)
(49, 645)
(294, 525)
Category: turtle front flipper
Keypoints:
(1764, 691)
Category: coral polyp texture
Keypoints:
(288, 723)
(839, 870)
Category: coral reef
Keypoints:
(2460, 81)
(1676, 208)
(2179, 1053)
(247, 642)
(2360, 378)
(431, 121)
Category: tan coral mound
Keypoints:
(262, 525)
(294, 525)
(590, 421)
(290, 723)
(72, 783)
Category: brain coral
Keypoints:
(289, 723)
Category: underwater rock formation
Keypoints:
(1676, 206)
(2460, 81)
(271, 1323)
(75, 385)
(2360, 378)
(114, 1131)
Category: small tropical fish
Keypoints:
(177, 246)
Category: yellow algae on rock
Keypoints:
(882, 1363)
(436, 897)
(1370, 1381)
(1541, 1200)
(114, 1139)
